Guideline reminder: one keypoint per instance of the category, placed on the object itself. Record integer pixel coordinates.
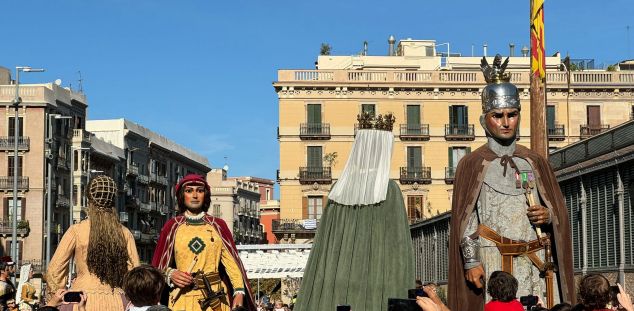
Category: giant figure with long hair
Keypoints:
(104, 250)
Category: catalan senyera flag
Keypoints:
(538, 52)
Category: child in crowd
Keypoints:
(143, 286)
(503, 290)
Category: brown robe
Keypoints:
(464, 296)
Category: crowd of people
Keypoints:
(594, 293)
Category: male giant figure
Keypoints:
(494, 223)
(198, 255)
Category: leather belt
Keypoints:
(212, 277)
(510, 248)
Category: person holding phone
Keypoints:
(65, 297)
(104, 251)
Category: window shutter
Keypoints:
(314, 156)
(451, 115)
(304, 207)
(550, 116)
(450, 157)
(314, 113)
(468, 150)
(413, 114)
(23, 209)
(5, 209)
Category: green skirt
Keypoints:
(361, 256)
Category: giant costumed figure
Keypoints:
(508, 212)
(104, 251)
(362, 253)
(198, 256)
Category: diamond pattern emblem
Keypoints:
(196, 245)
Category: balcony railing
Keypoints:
(558, 132)
(144, 179)
(123, 216)
(450, 174)
(136, 234)
(6, 227)
(459, 132)
(6, 183)
(145, 207)
(158, 179)
(446, 78)
(295, 225)
(410, 175)
(62, 201)
(414, 132)
(309, 175)
(590, 130)
(38, 265)
(314, 131)
(8, 143)
(163, 209)
(62, 163)
(133, 169)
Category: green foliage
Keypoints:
(325, 49)
(331, 158)
(612, 67)
(23, 224)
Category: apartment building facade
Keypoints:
(436, 102)
(236, 200)
(49, 118)
(153, 165)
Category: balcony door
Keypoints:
(456, 154)
(12, 126)
(414, 162)
(594, 117)
(315, 207)
(458, 120)
(414, 207)
(413, 120)
(550, 117)
(313, 118)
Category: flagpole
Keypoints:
(539, 137)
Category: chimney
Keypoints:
(525, 51)
(391, 41)
(484, 47)
(511, 49)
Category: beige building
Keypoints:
(436, 102)
(237, 201)
(50, 119)
(153, 165)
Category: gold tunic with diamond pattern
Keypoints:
(202, 240)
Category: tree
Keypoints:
(331, 158)
(325, 49)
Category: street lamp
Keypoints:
(16, 135)
(448, 55)
(49, 210)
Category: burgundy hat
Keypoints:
(7, 260)
(192, 179)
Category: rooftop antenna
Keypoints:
(627, 29)
(81, 84)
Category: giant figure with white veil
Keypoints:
(362, 253)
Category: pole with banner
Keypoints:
(539, 138)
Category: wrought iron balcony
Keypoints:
(158, 179)
(6, 183)
(558, 132)
(62, 200)
(144, 179)
(145, 207)
(310, 175)
(314, 131)
(410, 175)
(586, 131)
(450, 174)
(459, 132)
(8, 143)
(6, 227)
(414, 132)
(62, 162)
(123, 216)
(163, 209)
(133, 169)
(136, 234)
(295, 225)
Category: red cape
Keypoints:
(163, 254)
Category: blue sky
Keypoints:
(200, 72)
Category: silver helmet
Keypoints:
(499, 92)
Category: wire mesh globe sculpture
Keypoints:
(102, 191)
